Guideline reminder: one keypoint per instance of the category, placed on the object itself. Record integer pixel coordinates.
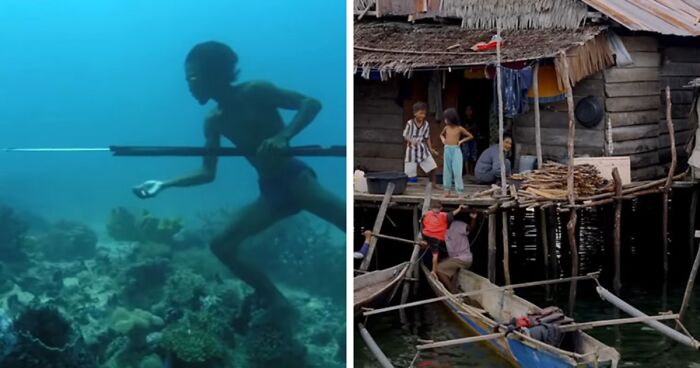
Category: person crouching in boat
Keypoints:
(435, 223)
(458, 251)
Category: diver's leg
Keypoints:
(313, 197)
(248, 221)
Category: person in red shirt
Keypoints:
(435, 223)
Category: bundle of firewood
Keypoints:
(550, 181)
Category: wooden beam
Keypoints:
(617, 75)
(378, 222)
(412, 269)
(632, 89)
(628, 104)
(669, 181)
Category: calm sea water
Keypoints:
(642, 278)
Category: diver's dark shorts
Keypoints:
(276, 189)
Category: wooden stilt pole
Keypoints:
(506, 250)
(691, 221)
(669, 181)
(378, 222)
(538, 136)
(617, 284)
(492, 248)
(499, 82)
(571, 226)
(416, 248)
(545, 247)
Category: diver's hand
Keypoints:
(148, 189)
(273, 145)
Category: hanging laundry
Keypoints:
(515, 84)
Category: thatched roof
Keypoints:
(395, 47)
(482, 14)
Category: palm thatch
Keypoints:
(399, 48)
(482, 14)
(516, 14)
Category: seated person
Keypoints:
(460, 256)
(488, 167)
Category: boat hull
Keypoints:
(517, 349)
(376, 288)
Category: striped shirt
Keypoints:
(416, 152)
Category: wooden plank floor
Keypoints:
(415, 191)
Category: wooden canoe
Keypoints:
(486, 310)
(376, 287)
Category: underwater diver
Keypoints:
(247, 115)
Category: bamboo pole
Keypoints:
(499, 82)
(538, 135)
(565, 328)
(464, 340)
(394, 238)
(617, 284)
(615, 322)
(374, 348)
(689, 287)
(481, 291)
(571, 225)
(378, 222)
(691, 221)
(661, 328)
(506, 250)
(492, 248)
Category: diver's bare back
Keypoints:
(246, 120)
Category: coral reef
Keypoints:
(135, 325)
(185, 288)
(123, 225)
(46, 339)
(12, 233)
(192, 345)
(143, 282)
(67, 240)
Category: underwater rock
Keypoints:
(46, 339)
(8, 339)
(12, 233)
(123, 225)
(68, 241)
(268, 346)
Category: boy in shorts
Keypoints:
(435, 224)
(416, 134)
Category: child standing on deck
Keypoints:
(435, 224)
(416, 133)
(453, 136)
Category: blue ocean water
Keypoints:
(134, 278)
(93, 74)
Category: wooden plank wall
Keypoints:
(378, 125)
(632, 107)
(554, 121)
(680, 64)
